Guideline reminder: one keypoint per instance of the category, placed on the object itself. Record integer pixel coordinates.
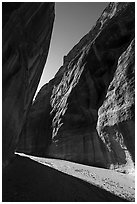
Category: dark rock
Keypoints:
(79, 90)
(36, 134)
(27, 29)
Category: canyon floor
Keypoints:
(35, 179)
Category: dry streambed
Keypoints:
(122, 185)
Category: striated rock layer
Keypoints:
(27, 29)
(63, 121)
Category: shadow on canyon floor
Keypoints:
(26, 180)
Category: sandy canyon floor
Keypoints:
(119, 184)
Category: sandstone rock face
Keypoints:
(27, 29)
(116, 122)
(37, 125)
(79, 90)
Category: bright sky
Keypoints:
(72, 21)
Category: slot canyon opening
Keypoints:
(73, 20)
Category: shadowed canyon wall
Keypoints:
(86, 113)
(27, 29)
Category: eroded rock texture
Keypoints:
(78, 91)
(116, 122)
(27, 29)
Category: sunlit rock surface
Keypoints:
(116, 122)
(70, 102)
(27, 29)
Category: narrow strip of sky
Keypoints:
(72, 21)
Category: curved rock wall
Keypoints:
(27, 29)
(78, 91)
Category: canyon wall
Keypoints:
(116, 122)
(86, 113)
(26, 35)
